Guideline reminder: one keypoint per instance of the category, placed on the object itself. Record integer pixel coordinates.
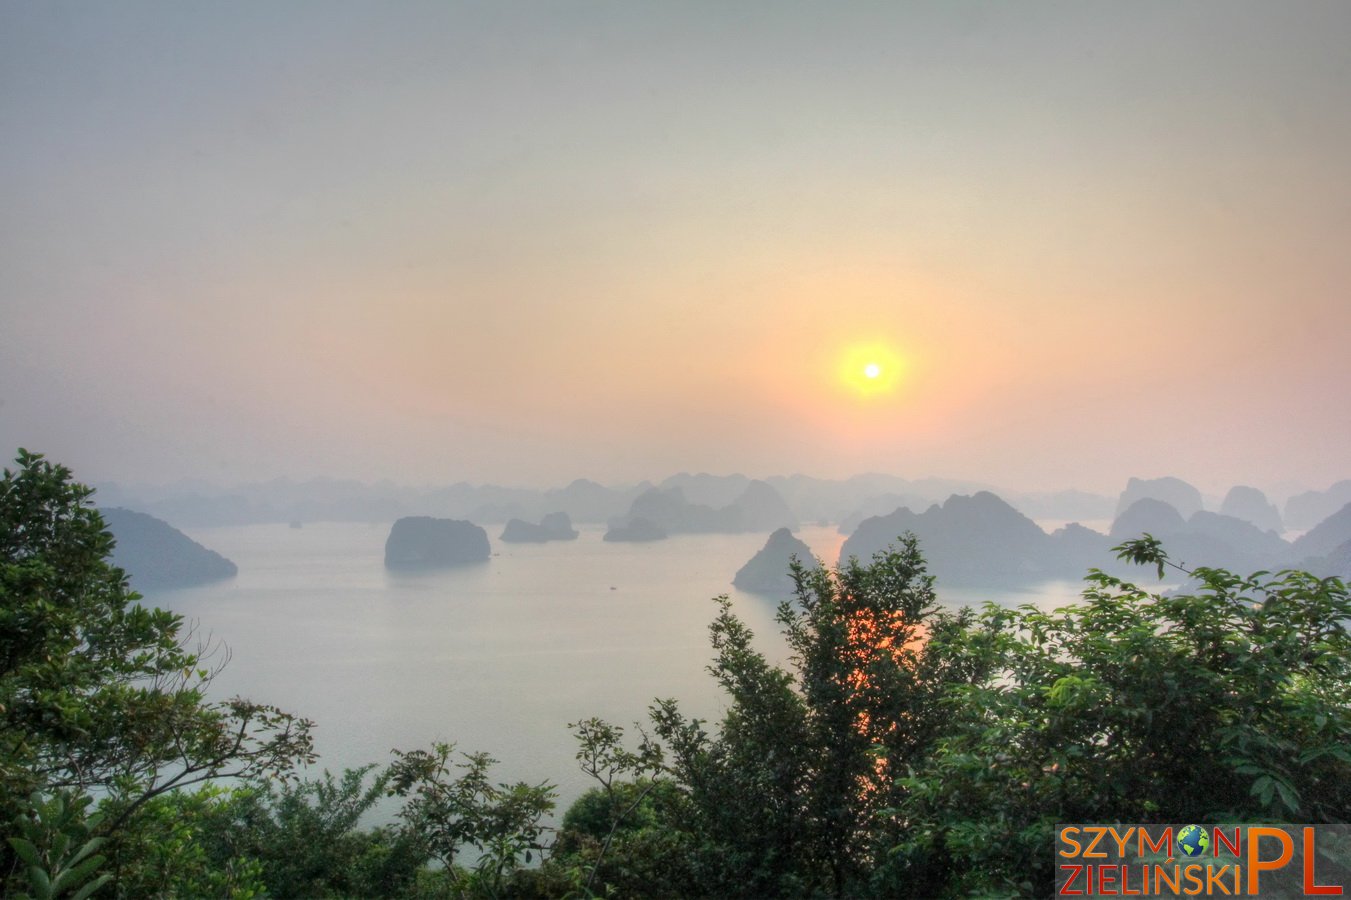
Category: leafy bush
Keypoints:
(1231, 703)
(54, 845)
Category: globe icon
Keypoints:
(1193, 840)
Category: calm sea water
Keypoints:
(497, 657)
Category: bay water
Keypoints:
(497, 657)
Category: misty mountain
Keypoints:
(1327, 536)
(1207, 538)
(280, 500)
(1251, 505)
(975, 540)
(983, 540)
(668, 509)
(1335, 564)
(758, 508)
(1236, 544)
(332, 500)
(708, 490)
(635, 529)
(880, 506)
(821, 499)
(1075, 549)
(1147, 515)
(1069, 504)
(154, 554)
(1311, 507)
(582, 500)
(702, 502)
(587, 501)
(1218, 540)
(761, 508)
(1174, 491)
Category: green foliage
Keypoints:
(74, 646)
(629, 841)
(183, 844)
(54, 845)
(280, 839)
(97, 691)
(502, 821)
(99, 694)
(617, 839)
(307, 840)
(1229, 704)
(786, 797)
(912, 751)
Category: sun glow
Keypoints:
(871, 369)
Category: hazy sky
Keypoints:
(525, 242)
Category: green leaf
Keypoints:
(89, 847)
(1289, 797)
(1263, 788)
(26, 851)
(85, 892)
(73, 876)
(42, 882)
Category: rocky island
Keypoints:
(556, 526)
(154, 554)
(417, 542)
(768, 572)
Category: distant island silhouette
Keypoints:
(425, 542)
(988, 538)
(555, 526)
(768, 571)
(758, 507)
(156, 555)
(981, 540)
(635, 529)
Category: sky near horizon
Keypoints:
(527, 242)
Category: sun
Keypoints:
(871, 370)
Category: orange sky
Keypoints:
(526, 243)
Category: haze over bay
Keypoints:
(523, 243)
